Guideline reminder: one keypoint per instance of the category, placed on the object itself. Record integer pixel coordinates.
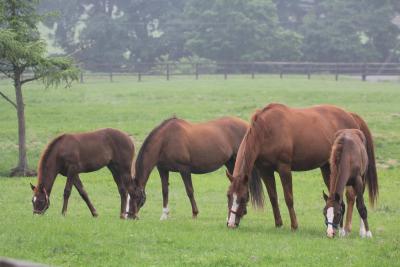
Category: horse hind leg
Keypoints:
(82, 192)
(187, 180)
(164, 175)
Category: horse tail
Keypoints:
(371, 174)
(256, 189)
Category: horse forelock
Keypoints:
(44, 157)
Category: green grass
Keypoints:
(79, 240)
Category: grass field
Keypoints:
(80, 240)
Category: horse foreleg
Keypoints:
(67, 193)
(350, 197)
(286, 179)
(79, 186)
(164, 175)
(269, 181)
(362, 209)
(187, 180)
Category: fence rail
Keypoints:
(171, 69)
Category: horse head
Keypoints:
(238, 197)
(40, 199)
(333, 212)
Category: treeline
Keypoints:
(100, 33)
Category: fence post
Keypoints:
(252, 70)
(280, 71)
(336, 72)
(225, 72)
(139, 77)
(167, 72)
(111, 77)
(81, 79)
(197, 71)
(308, 71)
(364, 72)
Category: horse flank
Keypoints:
(44, 157)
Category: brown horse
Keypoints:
(180, 146)
(349, 163)
(284, 139)
(71, 154)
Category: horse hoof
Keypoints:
(95, 214)
(363, 234)
(368, 234)
(164, 217)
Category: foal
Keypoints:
(349, 162)
(71, 154)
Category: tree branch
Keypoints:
(9, 100)
(7, 75)
(31, 79)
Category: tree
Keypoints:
(235, 30)
(22, 52)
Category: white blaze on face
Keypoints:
(34, 199)
(329, 217)
(232, 217)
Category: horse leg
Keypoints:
(122, 191)
(286, 179)
(164, 175)
(230, 164)
(82, 192)
(187, 180)
(326, 172)
(269, 181)
(350, 197)
(67, 193)
(362, 209)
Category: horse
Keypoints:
(70, 154)
(177, 145)
(349, 163)
(285, 139)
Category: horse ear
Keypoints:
(230, 177)
(32, 186)
(325, 196)
(337, 197)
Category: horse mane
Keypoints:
(334, 161)
(45, 155)
(147, 141)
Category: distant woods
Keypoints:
(126, 32)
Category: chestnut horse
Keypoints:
(349, 163)
(71, 154)
(284, 139)
(180, 146)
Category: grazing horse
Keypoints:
(71, 154)
(180, 146)
(284, 139)
(349, 163)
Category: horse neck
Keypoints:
(47, 173)
(146, 161)
(339, 177)
(246, 156)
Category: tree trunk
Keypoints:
(22, 168)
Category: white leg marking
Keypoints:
(329, 216)
(232, 217)
(362, 228)
(342, 232)
(369, 234)
(164, 214)
(128, 198)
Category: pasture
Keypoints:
(80, 240)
